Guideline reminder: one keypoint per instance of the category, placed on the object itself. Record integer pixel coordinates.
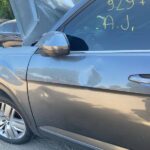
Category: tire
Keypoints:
(13, 125)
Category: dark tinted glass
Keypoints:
(111, 25)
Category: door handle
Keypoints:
(141, 78)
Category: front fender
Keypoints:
(13, 69)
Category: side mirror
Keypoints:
(54, 44)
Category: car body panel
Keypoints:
(89, 143)
(85, 95)
(13, 68)
(35, 17)
(76, 93)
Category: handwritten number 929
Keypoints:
(119, 6)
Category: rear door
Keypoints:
(101, 90)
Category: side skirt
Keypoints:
(78, 139)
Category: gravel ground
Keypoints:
(39, 144)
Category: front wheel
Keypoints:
(13, 126)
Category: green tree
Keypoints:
(5, 10)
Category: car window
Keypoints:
(111, 25)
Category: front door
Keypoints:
(101, 89)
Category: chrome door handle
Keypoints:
(143, 78)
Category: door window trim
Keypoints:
(68, 20)
(110, 52)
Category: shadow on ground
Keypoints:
(40, 144)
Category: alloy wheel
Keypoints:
(12, 125)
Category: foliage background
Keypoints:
(5, 10)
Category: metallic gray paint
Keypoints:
(81, 140)
(13, 69)
(88, 94)
(91, 95)
(54, 44)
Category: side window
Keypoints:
(111, 25)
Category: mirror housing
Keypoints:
(54, 43)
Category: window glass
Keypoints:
(111, 25)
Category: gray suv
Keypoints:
(86, 77)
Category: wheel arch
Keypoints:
(6, 92)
